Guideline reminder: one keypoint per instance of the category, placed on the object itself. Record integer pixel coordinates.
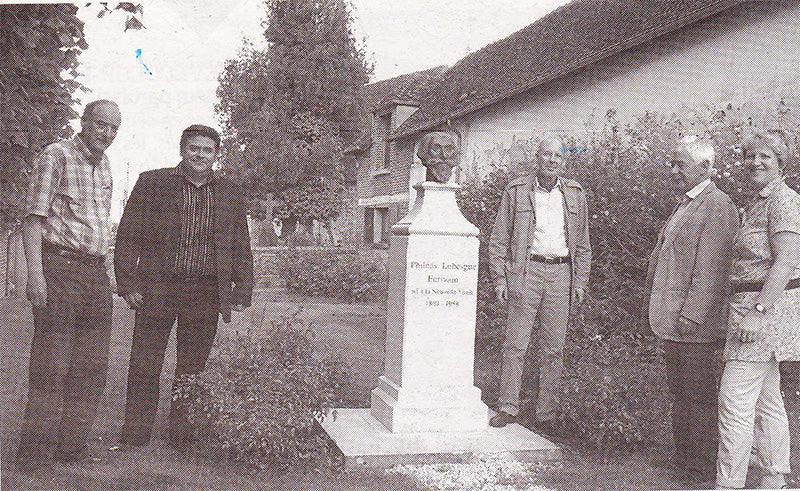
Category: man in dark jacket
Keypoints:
(182, 251)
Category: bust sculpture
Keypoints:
(438, 152)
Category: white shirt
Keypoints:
(681, 209)
(549, 237)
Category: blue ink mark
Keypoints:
(139, 57)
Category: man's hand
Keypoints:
(238, 307)
(134, 300)
(749, 330)
(36, 289)
(686, 327)
(501, 292)
(578, 295)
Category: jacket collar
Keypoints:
(179, 170)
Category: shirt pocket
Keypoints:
(69, 202)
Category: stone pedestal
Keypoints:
(430, 320)
(425, 407)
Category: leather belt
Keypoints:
(550, 260)
(72, 254)
(758, 285)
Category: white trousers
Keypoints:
(751, 406)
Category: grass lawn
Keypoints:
(357, 332)
(157, 466)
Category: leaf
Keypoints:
(133, 23)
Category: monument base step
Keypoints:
(366, 443)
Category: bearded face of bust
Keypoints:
(439, 154)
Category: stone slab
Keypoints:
(366, 443)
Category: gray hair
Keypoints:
(701, 150)
(551, 139)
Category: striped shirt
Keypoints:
(71, 189)
(196, 255)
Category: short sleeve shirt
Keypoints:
(71, 189)
(776, 209)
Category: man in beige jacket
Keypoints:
(539, 259)
(688, 281)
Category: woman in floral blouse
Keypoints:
(764, 321)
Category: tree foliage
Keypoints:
(286, 111)
(39, 48)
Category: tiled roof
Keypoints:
(567, 39)
(408, 88)
(404, 89)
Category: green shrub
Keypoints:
(259, 395)
(346, 276)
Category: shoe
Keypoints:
(502, 419)
(699, 480)
(70, 458)
(27, 466)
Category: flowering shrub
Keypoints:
(346, 276)
(614, 391)
(259, 396)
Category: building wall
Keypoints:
(735, 56)
(389, 188)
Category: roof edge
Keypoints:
(696, 16)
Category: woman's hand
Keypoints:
(749, 329)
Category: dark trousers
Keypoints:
(692, 374)
(68, 361)
(195, 305)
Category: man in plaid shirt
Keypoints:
(66, 233)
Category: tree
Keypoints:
(39, 48)
(286, 111)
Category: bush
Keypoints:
(346, 276)
(614, 392)
(259, 396)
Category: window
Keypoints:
(376, 226)
(385, 133)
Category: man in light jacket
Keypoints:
(688, 281)
(539, 259)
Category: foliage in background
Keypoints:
(287, 111)
(260, 394)
(39, 48)
(346, 276)
(614, 391)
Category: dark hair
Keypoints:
(88, 111)
(201, 130)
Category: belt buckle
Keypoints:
(549, 260)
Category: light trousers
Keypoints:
(541, 308)
(750, 402)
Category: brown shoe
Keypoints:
(502, 419)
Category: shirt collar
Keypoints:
(695, 191)
(78, 143)
(179, 171)
(539, 187)
(769, 188)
